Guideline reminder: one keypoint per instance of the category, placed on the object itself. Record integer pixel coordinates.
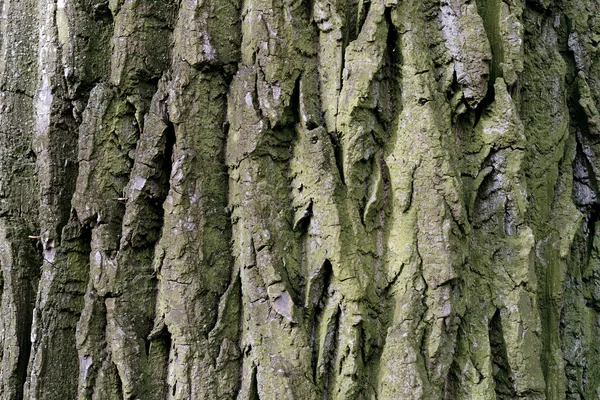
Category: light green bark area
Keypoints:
(198, 298)
(426, 228)
(502, 263)
(105, 173)
(279, 199)
(274, 337)
(192, 258)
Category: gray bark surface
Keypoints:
(299, 199)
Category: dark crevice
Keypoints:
(167, 343)
(363, 10)
(147, 346)
(363, 350)
(485, 103)
(256, 100)
(159, 348)
(292, 112)
(101, 12)
(24, 351)
(453, 89)
(24, 288)
(508, 223)
(392, 75)
(330, 355)
(352, 17)
(321, 285)
(118, 382)
(590, 229)
(501, 368)
(31, 156)
(337, 153)
(452, 386)
(308, 6)
(170, 141)
(253, 395)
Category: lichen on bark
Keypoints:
(287, 199)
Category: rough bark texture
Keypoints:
(299, 199)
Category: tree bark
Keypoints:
(288, 199)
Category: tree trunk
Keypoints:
(288, 199)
